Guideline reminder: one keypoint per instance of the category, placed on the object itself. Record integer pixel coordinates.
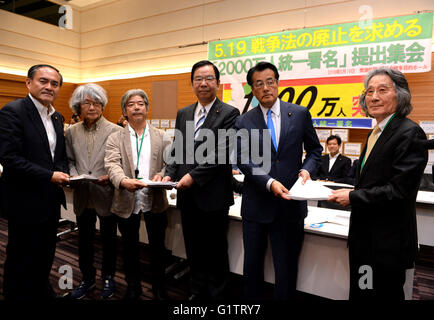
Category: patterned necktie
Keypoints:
(371, 141)
(200, 122)
(270, 126)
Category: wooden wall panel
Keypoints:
(13, 87)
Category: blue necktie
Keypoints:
(200, 122)
(270, 126)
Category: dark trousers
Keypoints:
(30, 254)
(387, 282)
(286, 239)
(156, 224)
(86, 239)
(205, 238)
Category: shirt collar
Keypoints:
(41, 108)
(95, 126)
(335, 157)
(275, 108)
(207, 107)
(133, 133)
(383, 123)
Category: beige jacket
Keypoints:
(101, 196)
(119, 164)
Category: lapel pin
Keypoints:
(217, 111)
(289, 113)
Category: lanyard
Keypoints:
(139, 150)
(364, 157)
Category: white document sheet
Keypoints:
(83, 177)
(311, 190)
(155, 184)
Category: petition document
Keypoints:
(159, 184)
(311, 190)
(83, 177)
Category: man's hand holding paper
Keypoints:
(310, 190)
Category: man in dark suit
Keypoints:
(205, 185)
(32, 152)
(382, 238)
(266, 209)
(334, 166)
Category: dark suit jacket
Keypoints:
(351, 177)
(28, 194)
(212, 188)
(339, 171)
(258, 204)
(428, 144)
(383, 216)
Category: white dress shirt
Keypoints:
(275, 117)
(46, 114)
(142, 198)
(382, 124)
(198, 111)
(332, 160)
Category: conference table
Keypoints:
(323, 263)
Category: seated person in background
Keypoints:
(122, 122)
(75, 118)
(334, 166)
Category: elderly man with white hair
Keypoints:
(85, 145)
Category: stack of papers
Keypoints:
(159, 184)
(311, 190)
(83, 177)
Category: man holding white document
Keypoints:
(135, 155)
(266, 209)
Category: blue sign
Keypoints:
(360, 123)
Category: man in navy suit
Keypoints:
(266, 209)
(33, 154)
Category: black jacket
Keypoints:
(28, 165)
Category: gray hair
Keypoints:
(131, 93)
(90, 90)
(403, 95)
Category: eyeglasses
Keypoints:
(382, 90)
(199, 79)
(87, 104)
(269, 82)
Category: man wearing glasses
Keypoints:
(266, 208)
(205, 188)
(383, 233)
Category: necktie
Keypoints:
(371, 141)
(270, 126)
(200, 122)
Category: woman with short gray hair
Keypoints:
(91, 91)
(85, 146)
